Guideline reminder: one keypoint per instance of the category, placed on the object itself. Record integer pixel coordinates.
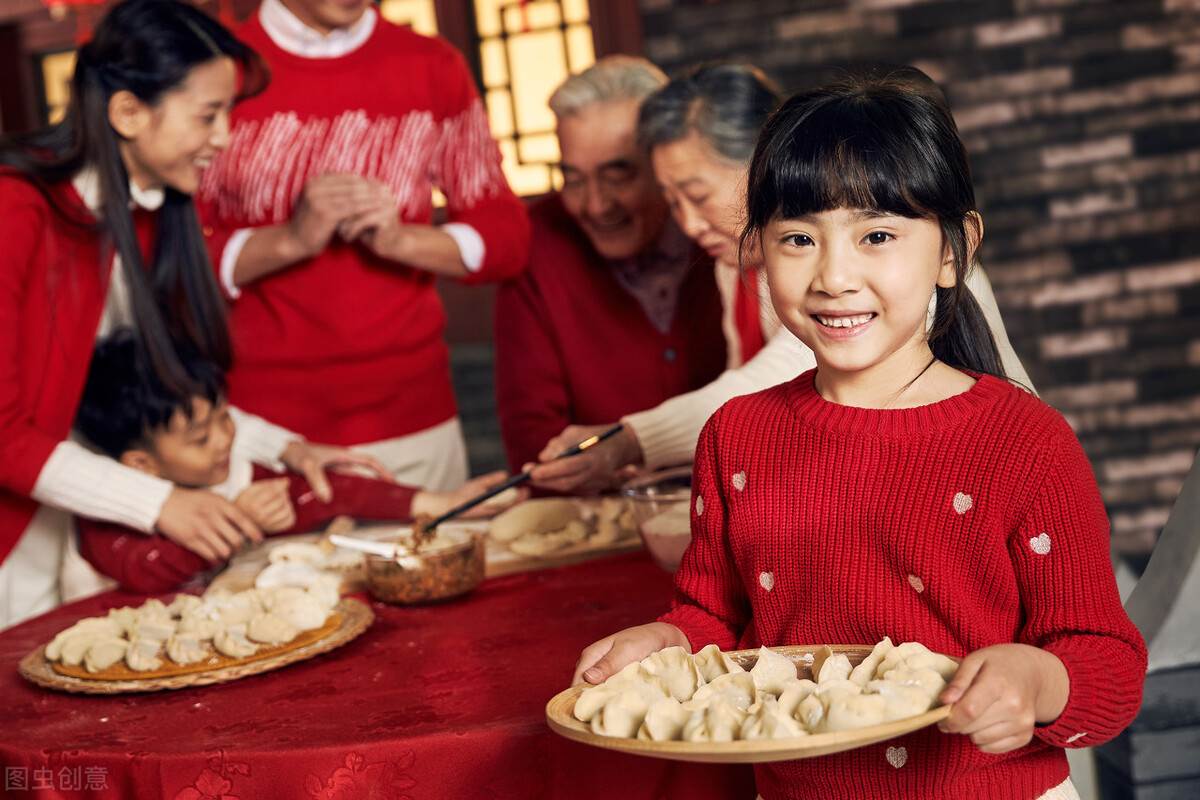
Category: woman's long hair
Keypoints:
(148, 48)
(886, 142)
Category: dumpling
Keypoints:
(810, 712)
(719, 721)
(156, 628)
(864, 673)
(125, 618)
(142, 655)
(183, 603)
(327, 590)
(676, 671)
(623, 713)
(926, 680)
(95, 625)
(297, 553)
(232, 642)
(942, 665)
(848, 712)
(735, 688)
(898, 655)
(303, 612)
(269, 628)
(153, 609)
(633, 676)
(186, 648)
(836, 688)
(203, 623)
(237, 609)
(768, 720)
(835, 668)
(665, 720)
(772, 671)
(539, 544)
(794, 691)
(900, 701)
(75, 647)
(104, 653)
(712, 662)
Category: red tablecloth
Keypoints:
(443, 701)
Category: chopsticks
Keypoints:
(521, 477)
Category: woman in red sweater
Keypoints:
(99, 230)
(904, 487)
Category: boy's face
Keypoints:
(190, 452)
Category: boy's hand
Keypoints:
(606, 657)
(433, 504)
(205, 523)
(267, 503)
(999, 693)
(311, 461)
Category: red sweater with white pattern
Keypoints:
(966, 523)
(347, 347)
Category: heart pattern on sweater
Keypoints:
(916, 583)
(739, 480)
(1040, 544)
(699, 506)
(963, 503)
(766, 580)
(897, 756)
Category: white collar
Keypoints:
(290, 34)
(87, 184)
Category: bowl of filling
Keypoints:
(447, 564)
(661, 503)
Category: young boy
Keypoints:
(129, 415)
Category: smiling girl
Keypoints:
(99, 231)
(903, 487)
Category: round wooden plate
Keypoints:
(561, 720)
(355, 617)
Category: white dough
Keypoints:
(772, 671)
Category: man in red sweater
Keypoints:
(617, 311)
(318, 217)
(128, 414)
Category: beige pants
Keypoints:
(1064, 791)
(435, 458)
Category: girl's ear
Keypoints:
(973, 227)
(128, 115)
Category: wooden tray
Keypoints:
(562, 722)
(351, 617)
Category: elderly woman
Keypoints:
(700, 131)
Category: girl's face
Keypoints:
(705, 193)
(855, 286)
(171, 142)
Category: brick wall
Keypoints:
(1082, 118)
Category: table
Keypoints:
(438, 701)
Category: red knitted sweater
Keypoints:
(962, 524)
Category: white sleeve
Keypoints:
(471, 247)
(981, 287)
(229, 259)
(261, 441)
(81, 482)
(669, 432)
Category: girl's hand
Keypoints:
(999, 693)
(606, 657)
(267, 503)
(595, 469)
(205, 523)
(311, 461)
(434, 504)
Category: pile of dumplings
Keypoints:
(547, 525)
(672, 695)
(193, 629)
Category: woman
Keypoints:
(700, 130)
(100, 231)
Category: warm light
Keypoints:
(420, 14)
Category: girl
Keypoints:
(700, 132)
(99, 230)
(903, 487)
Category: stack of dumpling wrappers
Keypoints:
(193, 629)
(708, 697)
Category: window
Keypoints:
(56, 70)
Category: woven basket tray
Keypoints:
(349, 619)
(561, 720)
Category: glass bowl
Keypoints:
(661, 503)
(451, 565)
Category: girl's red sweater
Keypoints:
(970, 522)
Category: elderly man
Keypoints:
(617, 311)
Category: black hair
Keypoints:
(148, 48)
(125, 401)
(881, 140)
(725, 103)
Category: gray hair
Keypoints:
(615, 77)
(726, 104)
